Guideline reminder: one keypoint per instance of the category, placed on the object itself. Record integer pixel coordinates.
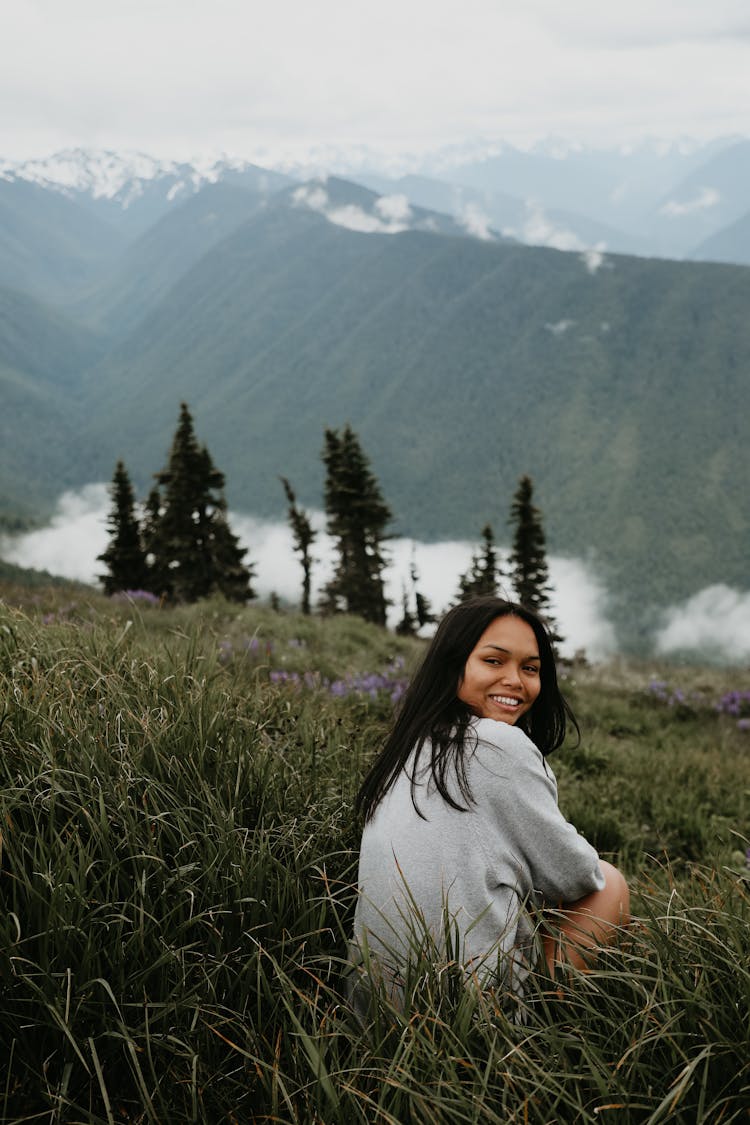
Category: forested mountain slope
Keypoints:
(621, 385)
(462, 364)
(42, 442)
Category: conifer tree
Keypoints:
(421, 614)
(303, 535)
(356, 518)
(528, 560)
(125, 557)
(482, 575)
(159, 580)
(424, 613)
(194, 551)
(407, 626)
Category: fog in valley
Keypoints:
(715, 623)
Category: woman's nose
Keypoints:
(511, 674)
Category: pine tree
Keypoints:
(303, 536)
(125, 557)
(407, 626)
(424, 613)
(159, 580)
(194, 552)
(482, 575)
(421, 614)
(356, 518)
(528, 560)
(231, 576)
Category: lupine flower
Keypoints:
(735, 703)
(136, 596)
(371, 684)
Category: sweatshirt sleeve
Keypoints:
(524, 834)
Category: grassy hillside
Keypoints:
(177, 886)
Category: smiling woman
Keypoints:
(464, 845)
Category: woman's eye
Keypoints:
(532, 669)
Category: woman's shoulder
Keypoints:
(502, 735)
(500, 746)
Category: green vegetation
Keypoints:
(185, 549)
(484, 573)
(461, 365)
(529, 573)
(176, 889)
(124, 557)
(356, 518)
(303, 537)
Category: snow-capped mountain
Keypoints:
(123, 178)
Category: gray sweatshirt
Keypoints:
(513, 845)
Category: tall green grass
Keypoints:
(177, 886)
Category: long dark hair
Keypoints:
(431, 709)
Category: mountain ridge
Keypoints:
(462, 362)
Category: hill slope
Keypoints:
(42, 356)
(462, 364)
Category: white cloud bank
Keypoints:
(539, 229)
(703, 201)
(77, 533)
(475, 222)
(177, 78)
(393, 211)
(714, 623)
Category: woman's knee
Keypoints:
(613, 902)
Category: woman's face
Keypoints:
(501, 678)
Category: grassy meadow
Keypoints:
(177, 868)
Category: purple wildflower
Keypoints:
(136, 596)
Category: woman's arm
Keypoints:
(516, 790)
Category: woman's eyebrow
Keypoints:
(507, 651)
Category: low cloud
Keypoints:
(705, 199)
(713, 624)
(475, 222)
(540, 230)
(77, 533)
(593, 258)
(560, 327)
(68, 546)
(394, 208)
(394, 213)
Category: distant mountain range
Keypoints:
(654, 200)
(463, 359)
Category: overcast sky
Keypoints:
(181, 78)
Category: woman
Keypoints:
(462, 830)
